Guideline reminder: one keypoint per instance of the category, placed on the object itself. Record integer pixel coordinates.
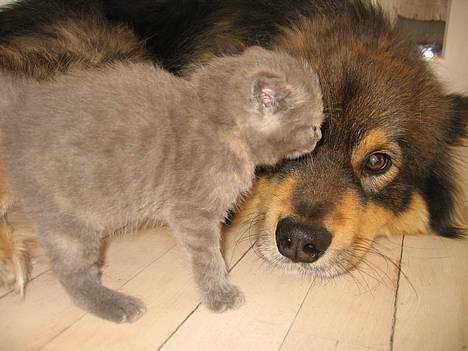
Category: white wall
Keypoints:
(4, 2)
(453, 67)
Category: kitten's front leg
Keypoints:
(200, 237)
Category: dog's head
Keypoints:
(385, 164)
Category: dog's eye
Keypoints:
(377, 163)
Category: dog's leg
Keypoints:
(200, 237)
(14, 267)
(15, 255)
(74, 252)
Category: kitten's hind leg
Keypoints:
(74, 253)
(200, 237)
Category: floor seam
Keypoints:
(295, 316)
(395, 300)
(197, 306)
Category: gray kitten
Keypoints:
(94, 151)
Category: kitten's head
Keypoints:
(274, 100)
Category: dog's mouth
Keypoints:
(291, 250)
(286, 241)
(321, 241)
(332, 262)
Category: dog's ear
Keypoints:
(458, 132)
(269, 92)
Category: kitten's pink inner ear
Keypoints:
(267, 97)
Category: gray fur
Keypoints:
(94, 151)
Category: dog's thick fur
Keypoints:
(385, 164)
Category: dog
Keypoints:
(386, 163)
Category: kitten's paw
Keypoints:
(119, 308)
(223, 298)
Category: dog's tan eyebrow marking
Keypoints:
(376, 140)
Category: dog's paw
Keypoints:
(119, 308)
(224, 297)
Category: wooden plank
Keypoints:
(31, 323)
(357, 310)
(321, 344)
(272, 301)
(341, 346)
(432, 308)
(28, 324)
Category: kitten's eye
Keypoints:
(377, 163)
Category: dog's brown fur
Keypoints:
(379, 96)
(73, 43)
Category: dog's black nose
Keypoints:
(301, 242)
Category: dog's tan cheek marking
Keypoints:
(351, 222)
(379, 221)
(271, 198)
(414, 221)
(269, 201)
(279, 203)
(342, 222)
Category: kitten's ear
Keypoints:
(269, 93)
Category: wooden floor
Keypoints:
(423, 307)
(377, 307)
